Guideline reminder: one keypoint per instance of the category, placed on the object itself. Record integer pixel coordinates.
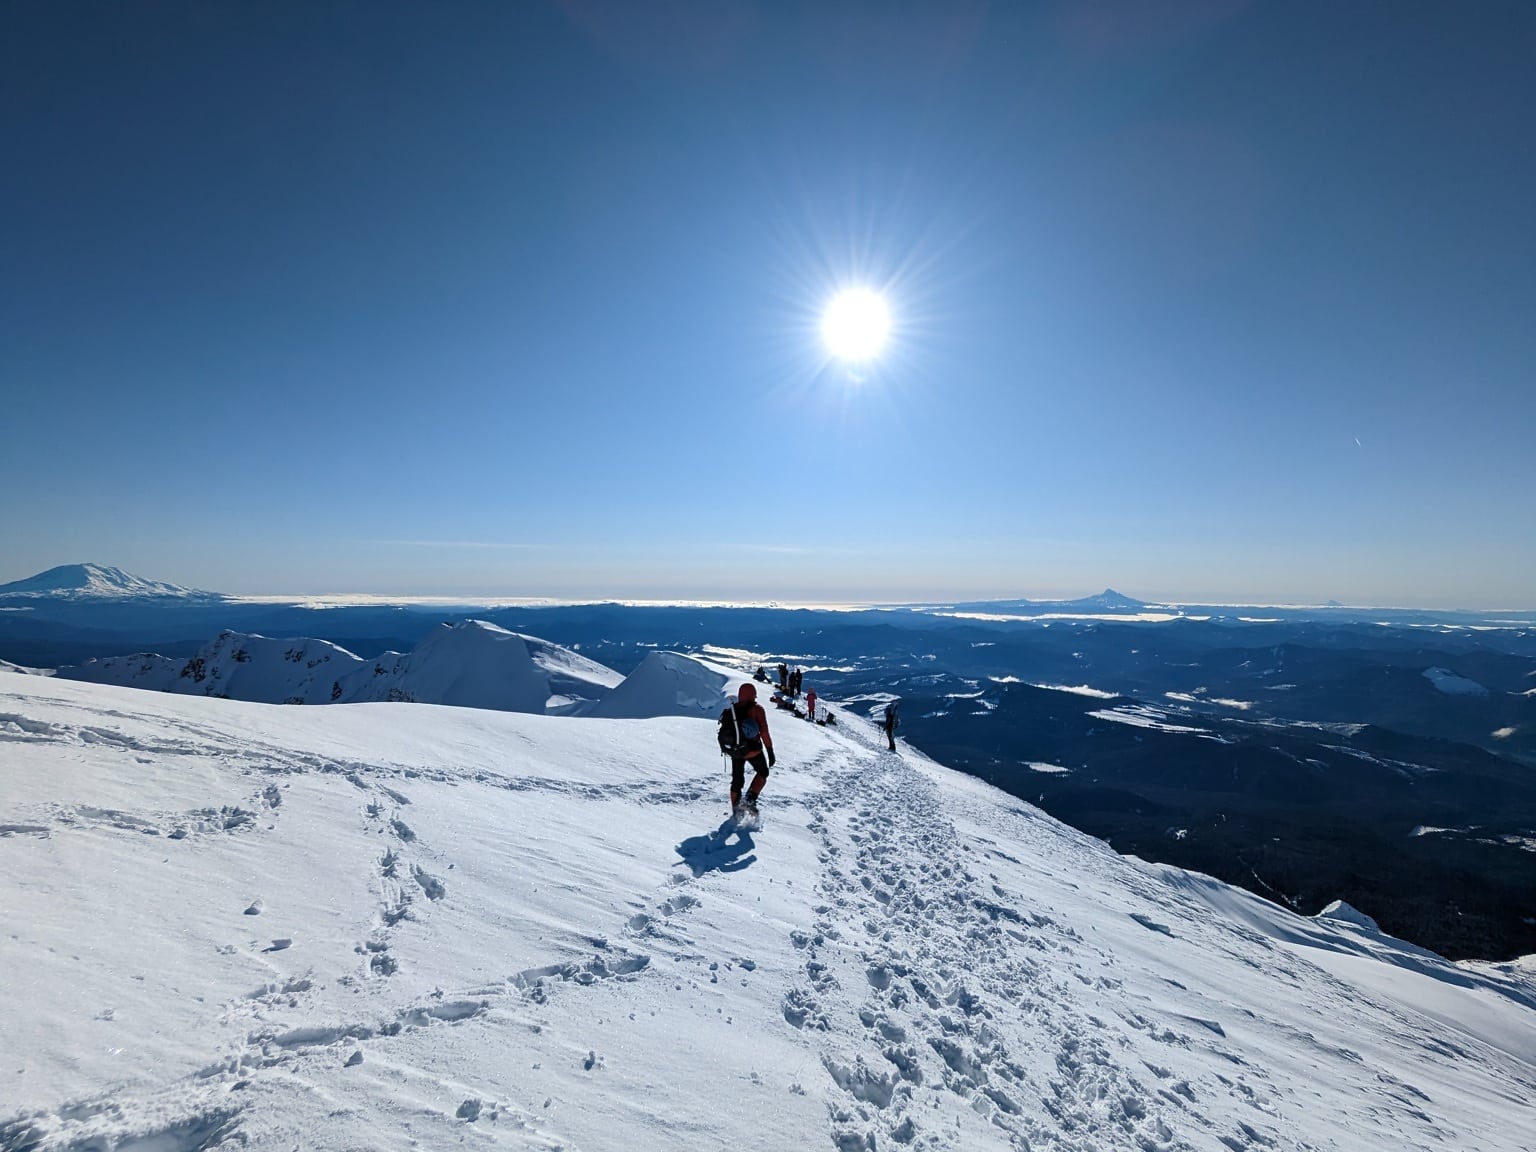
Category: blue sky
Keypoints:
(1205, 300)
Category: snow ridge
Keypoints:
(472, 664)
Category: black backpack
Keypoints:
(739, 735)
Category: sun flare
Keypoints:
(856, 324)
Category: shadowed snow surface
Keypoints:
(401, 926)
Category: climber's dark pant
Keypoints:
(759, 762)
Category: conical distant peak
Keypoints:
(1110, 596)
(93, 580)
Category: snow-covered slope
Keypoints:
(144, 670)
(575, 682)
(471, 664)
(96, 582)
(670, 684)
(234, 665)
(7, 666)
(393, 926)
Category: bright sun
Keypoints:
(856, 324)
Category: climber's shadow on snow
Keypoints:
(728, 848)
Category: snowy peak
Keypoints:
(1109, 598)
(1346, 913)
(575, 682)
(668, 684)
(472, 664)
(97, 582)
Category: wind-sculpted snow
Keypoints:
(472, 664)
(574, 681)
(669, 684)
(230, 925)
(7, 666)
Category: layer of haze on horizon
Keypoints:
(1208, 301)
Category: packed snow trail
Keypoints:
(399, 925)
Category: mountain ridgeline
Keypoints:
(1385, 757)
(469, 664)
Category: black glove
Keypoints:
(770, 758)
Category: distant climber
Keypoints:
(743, 736)
(891, 722)
(810, 705)
(783, 677)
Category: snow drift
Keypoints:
(574, 681)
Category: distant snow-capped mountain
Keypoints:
(1110, 599)
(1106, 601)
(472, 664)
(97, 582)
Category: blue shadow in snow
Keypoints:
(727, 849)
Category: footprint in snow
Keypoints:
(430, 884)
